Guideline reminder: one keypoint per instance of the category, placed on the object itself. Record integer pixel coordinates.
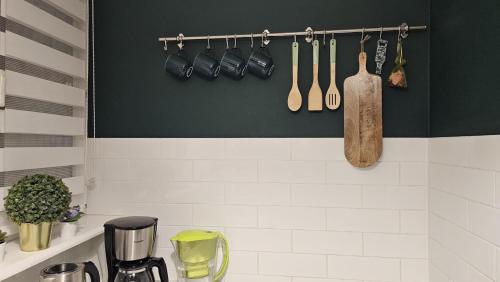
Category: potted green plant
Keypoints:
(3, 236)
(34, 203)
(69, 222)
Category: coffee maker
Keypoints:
(129, 243)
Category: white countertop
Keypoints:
(16, 260)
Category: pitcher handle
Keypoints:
(162, 268)
(90, 268)
(225, 260)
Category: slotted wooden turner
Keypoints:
(332, 97)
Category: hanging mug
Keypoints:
(232, 63)
(205, 63)
(260, 62)
(178, 64)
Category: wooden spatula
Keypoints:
(294, 98)
(315, 97)
(332, 98)
(363, 116)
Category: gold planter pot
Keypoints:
(34, 237)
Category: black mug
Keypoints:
(233, 64)
(260, 63)
(206, 65)
(179, 65)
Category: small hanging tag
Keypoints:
(380, 56)
(398, 76)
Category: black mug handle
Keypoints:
(90, 268)
(162, 268)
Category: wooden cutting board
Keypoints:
(363, 117)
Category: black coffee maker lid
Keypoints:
(132, 222)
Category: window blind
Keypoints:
(43, 124)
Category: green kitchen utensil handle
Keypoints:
(295, 53)
(315, 52)
(333, 51)
(225, 259)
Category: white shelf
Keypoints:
(16, 261)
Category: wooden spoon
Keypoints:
(332, 98)
(315, 98)
(294, 98)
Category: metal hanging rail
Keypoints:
(309, 32)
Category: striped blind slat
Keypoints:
(74, 8)
(41, 123)
(31, 16)
(17, 158)
(22, 48)
(31, 87)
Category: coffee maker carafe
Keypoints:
(129, 243)
(195, 255)
(70, 272)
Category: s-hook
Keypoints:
(251, 40)
(324, 37)
(403, 30)
(166, 46)
(234, 41)
(265, 35)
(208, 41)
(180, 38)
(364, 39)
(309, 35)
(227, 42)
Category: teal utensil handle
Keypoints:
(333, 51)
(295, 53)
(315, 52)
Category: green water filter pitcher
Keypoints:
(196, 254)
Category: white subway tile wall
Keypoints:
(293, 209)
(464, 209)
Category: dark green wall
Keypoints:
(465, 57)
(135, 98)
